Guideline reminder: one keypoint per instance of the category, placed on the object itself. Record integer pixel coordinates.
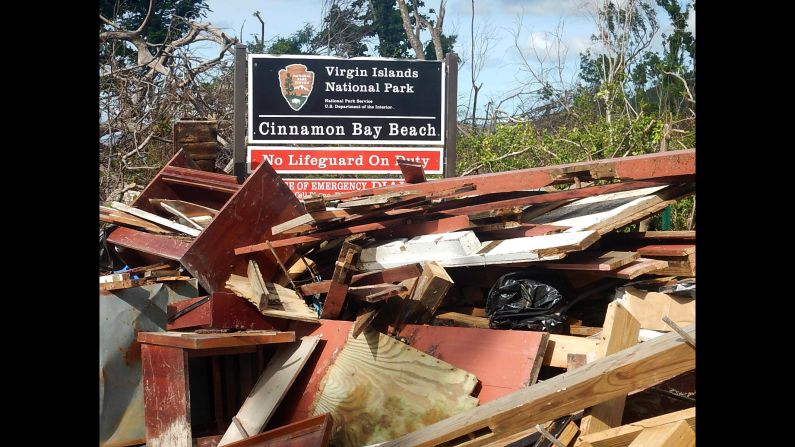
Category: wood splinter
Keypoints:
(690, 340)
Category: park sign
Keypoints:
(329, 100)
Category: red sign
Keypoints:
(302, 187)
(343, 160)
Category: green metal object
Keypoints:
(666, 218)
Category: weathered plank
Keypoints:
(429, 291)
(189, 340)
(675, 434)
(620, 331)
(340, 280)
(637, 367)
(166, 402)
(624, 435)
(311, 432)
(271, 388)
(281, 301)
(380, 388)
(600, 261)
(155, 218)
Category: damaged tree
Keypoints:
(150, 76)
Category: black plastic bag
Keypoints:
(527, 300)
(108, 259)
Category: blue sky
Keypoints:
(503, 71)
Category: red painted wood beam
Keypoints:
(639, 167)
(155, 244)
(166, 396)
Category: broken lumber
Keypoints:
(270, 388)
(675, 434)
(650, 307)
(620, 331)
(624, 435)
(431, 287)
(599, 261)
(155, 218)
(640, 366)
(340, 280)
(281, 301)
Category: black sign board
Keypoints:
(314, 99)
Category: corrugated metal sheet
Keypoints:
(122, 314)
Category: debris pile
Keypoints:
(513, 308)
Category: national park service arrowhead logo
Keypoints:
(296, 82)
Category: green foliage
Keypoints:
(447, 46)
(388, 26)
(300, 42)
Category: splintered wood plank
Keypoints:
(624, 435)
(281, 301)
(191, 340)
(437, 226)
(182, 216)
(638, 367)
(641, 266)
(503, 361)
(620, 331)
(187, 208)
(156, 244)
(667, 250)
(111, 215)
(688, 234)
(601, 261)
(560, 346)
(156, 219)
(523, 230)
(463, 320)
(429, 291)
(258, 286)
(364, 319)
(379, 389)
(675, 434)
(390, 275)
(271, 387)
(678, 265)
(340, 280)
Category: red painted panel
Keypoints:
(224, 310)
(503, 361)
(342, 160)
(303, 187)
(166, 396)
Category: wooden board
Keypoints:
(312, 432)
(270, 389)
(600, 261)
(156, 219)
(187, 208)
(624, 435)
(165, 381)
(463, 320)
(560, 346)
(667, 250)
(461, 249)
(690, 234)
(620, 331)
(189, 340)
(675, 434)
(503, 361)
(281, 301)
(641, 266)
(111, 215)
(678, 265)
(429, 291)
(649, 308)
(640, 366)
(340, 280)
(379, 388)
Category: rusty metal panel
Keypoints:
(122, 314)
